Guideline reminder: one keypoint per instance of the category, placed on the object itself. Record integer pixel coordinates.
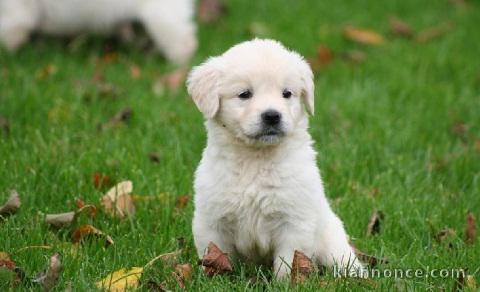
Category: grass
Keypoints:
(384, 131)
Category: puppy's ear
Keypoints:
(203, 88)
(308, 87)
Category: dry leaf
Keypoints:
(355, 56)
(400, 28)
(465, 282)
(4, 125)
(121, 280)
(122, 116)
(324, 56)
(182, 201)
(46, 71)
(154, 157)
(101, 180)
(374, 223)
(302, 266)
(81, 204)
(370, 260)
(210, 10)
(470, 229)
(459, 129)
(363, 36)
(215, 261)
(183, 273)
(68, 218)
(434, 32)
(6, 262)
(445, 235)
(109, 58)
(170, 81)
(12, 205)
(135, 71)
(49, 279)
(118, 201)
(88, 231)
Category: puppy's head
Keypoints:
(258, 90)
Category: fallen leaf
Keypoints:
(445, 235)
(81, 204)
(135, 71)
(121, 280)
(122, 116)
(182, 201)
(215, 261)
(470, 229)
(109, 58)
(355, 56)
(4, 125)
(363, 36)
(434, 32)
(400, 28)
(49, 279)
(374, 223)
(182, 274)
(46, 71)
(465, 282)
(370, 260)
(101, 180)
(323, 57)
(88, 231)
(259, 30)
(68, 218)
(302, 266)
(6, 262)
(118, 201)
(12, 205)
(210, 11)
(459, 129)
(154, 157)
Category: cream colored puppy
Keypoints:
(258, 191)
(169, 22)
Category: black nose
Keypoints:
(271, 117)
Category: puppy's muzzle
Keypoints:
(271, 118)
(271, 125)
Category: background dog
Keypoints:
(168, 22)
(258, 191)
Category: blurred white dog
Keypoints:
(258, 191)
(168, 22)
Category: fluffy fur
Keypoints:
(258, 192)
(169, 22)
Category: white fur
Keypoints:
(169, 22)
(262, 198)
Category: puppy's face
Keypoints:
(257, 90)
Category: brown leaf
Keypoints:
(210, 11)
(465, 282)
(302, 266)
(182, 274)
(135, 71)
(12, 205)
(49, 279)
(363, 36)
(101, 180)
(88, 231)
(355, 56)
(400, 28)
(445, 235)
(81, 204)
(109, 58)
(370, 260)
(154, 157)
(122, 116)
(46, 71)
(118, 201)
(215, 261)
(6, 262)
(4, 125)
(459, 129)
(470, 229)
(434, 32)
(374, 223)
(323, 57)
(182, 201)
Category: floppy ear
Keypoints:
(203, 88)
(308, 89)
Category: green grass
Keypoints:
(381, 127)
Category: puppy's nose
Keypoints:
(271, 117)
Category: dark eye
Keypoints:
(287, 93)
(245, 94)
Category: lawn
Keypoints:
(397, 132)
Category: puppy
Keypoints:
(169, 22)
(258, 191)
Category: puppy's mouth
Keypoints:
(269, 135)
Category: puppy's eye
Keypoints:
(287, 93)
(245, 94)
